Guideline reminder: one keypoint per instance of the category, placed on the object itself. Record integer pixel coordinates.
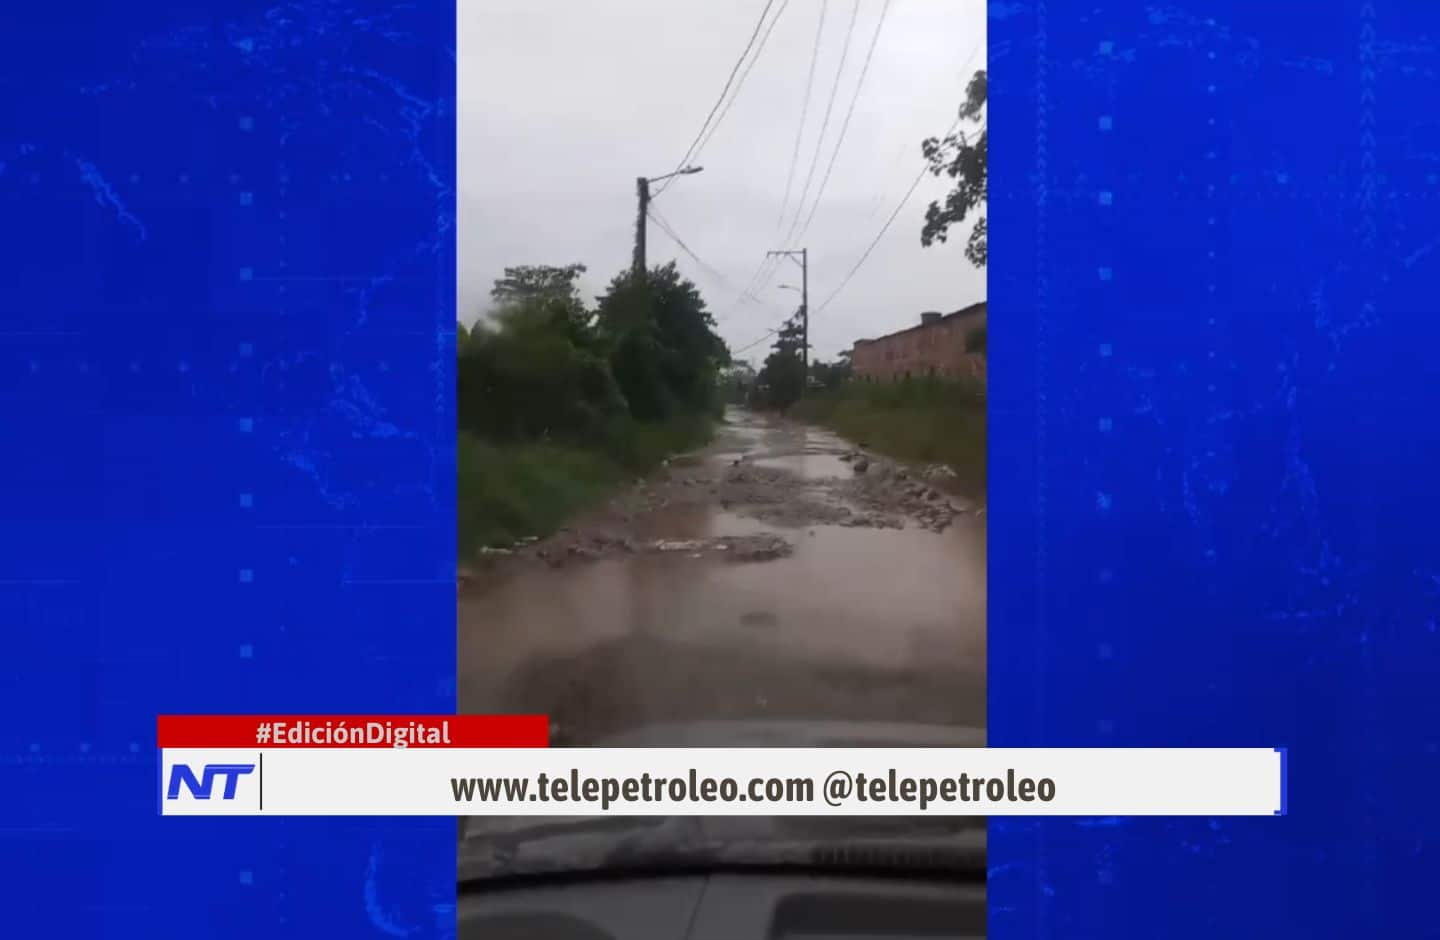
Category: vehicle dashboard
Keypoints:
(727, 906)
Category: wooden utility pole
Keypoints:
(805, 316)
(642, 212)
(642, 193)
(804, 263)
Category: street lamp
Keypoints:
(682, 172)
(790, 287)
(642, 190)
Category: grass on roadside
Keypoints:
(923, 420)
(509, 490)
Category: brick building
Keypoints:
(948, 346)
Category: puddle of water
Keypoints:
(643, 638)
(808, 466)
(857, 624)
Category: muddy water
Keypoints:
(857, 624)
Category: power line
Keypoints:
(908, 193)
(804, 112)
(845, 126)
(750, 65)
(669, 230)
(766, 269)
(759, 51)
(704, 266)
(880, 199)
(886, 227)
(824, 123)
(746, 293)
(790, 319)
(723, 92)
(791, 239)
(971, 58)
(752, 345)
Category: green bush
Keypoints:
(666, 353)
(636, 366)
(510, 490)
(531, 380)
(558, 404)
(506, 491)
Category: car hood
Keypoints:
(506, 847)
(789, 733)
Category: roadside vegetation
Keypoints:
(921, 420)
(560, 403)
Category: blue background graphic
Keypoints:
(1214, 444)
(227, 431)
(226, 422)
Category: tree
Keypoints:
(783, 375)
(737, 380)
(962, 157)
(550, 293)
(664, 350)
(525, 377)
(832, 374)
(536, 367)
(528, 281)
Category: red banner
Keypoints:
(392, 731)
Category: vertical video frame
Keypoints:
(721, 394)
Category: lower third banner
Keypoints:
(499, 766)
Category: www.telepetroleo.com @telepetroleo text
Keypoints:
(837, 787)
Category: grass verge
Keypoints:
(506, 491)
(923, 421)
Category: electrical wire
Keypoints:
(804, 113)
(886, 227)
(759, 51)
(761, 275)
(845, 125)
(668, 229)
(748, 294)
(766, 268)
(700, 262)
(752, 345)
(723, 92)
(824, 125)
(750, 65)
(908, 193)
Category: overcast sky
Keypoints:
(563, 103)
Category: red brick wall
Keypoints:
(935, 349)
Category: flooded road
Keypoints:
(874, 610)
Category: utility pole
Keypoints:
(642, 211)
(805, 316)
(804, 263)
(642, 194)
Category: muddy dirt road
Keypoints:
(782, 572)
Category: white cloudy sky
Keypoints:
(563, 103)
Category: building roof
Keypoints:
(969, 311)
